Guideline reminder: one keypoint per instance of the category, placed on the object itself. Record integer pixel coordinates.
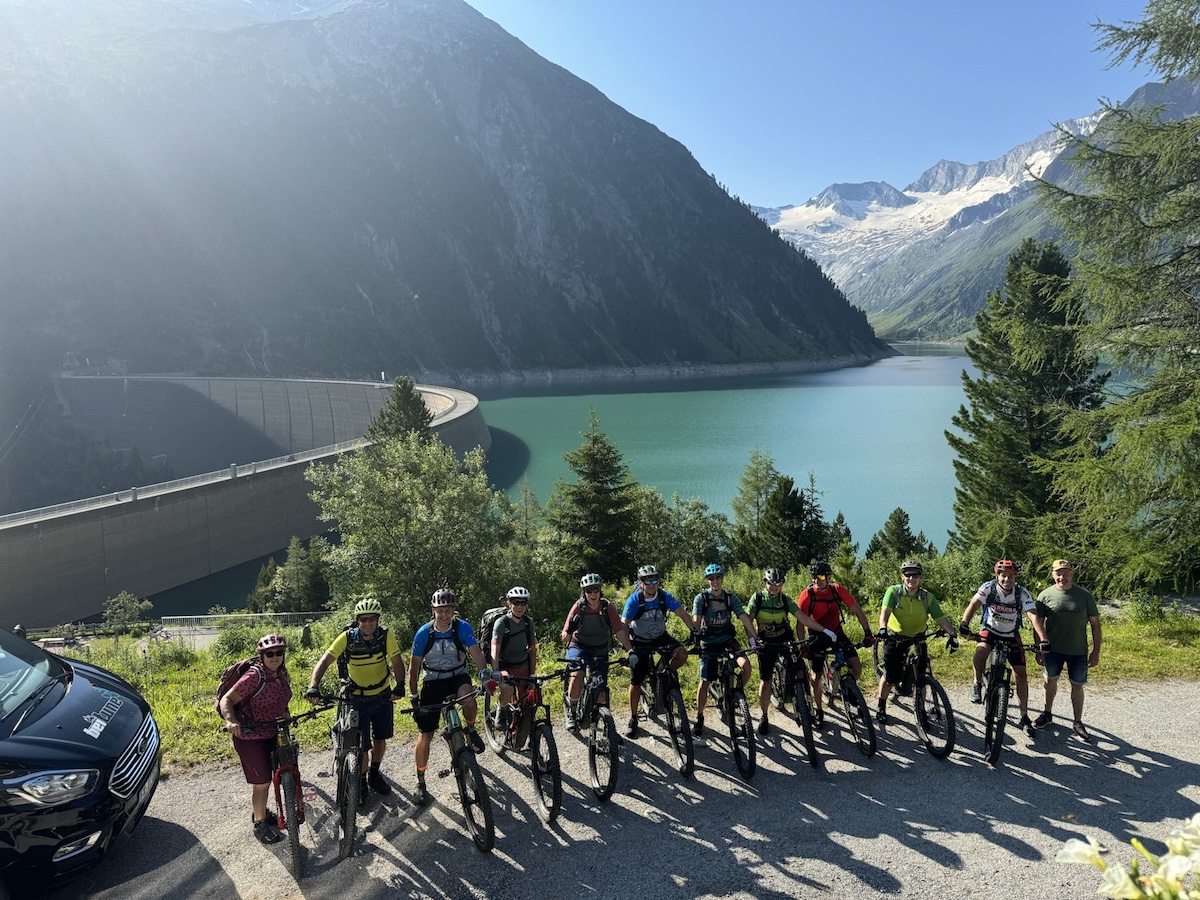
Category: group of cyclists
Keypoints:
(371, 665)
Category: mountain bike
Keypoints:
(661, 696)
(285, 776)
(840, 686)
(997, 691)
(931, 706)
(512, 726)
(347, 765)
(730, 701)
(472, 792)
(790, 684)
(604, 747)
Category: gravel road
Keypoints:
(900, 825)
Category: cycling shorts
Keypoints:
(843, 643)
(1077, 666)
(710, 663)
(256, 759)
(641, 667)
(1016, 652)
(375, 718)
(436, 691)
(597, 661)
(768, 653)
(895, 651)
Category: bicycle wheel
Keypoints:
(680, 731)
(476, 804)
(858, 716)
(993, 741)
(547, 777)
(779, 687)
(287, 800)
(495, 736)
(877, 658)
(350, 783)
(935, 718)
(741, 735)
(604, 753)
(804, 719)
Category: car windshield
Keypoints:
(24, 669)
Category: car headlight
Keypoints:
(49, 788)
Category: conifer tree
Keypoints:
(404, 411)
(1130, 479)
(896, 540)
(755, 486)
(594, 516)
(1031, 369)
(792, 531)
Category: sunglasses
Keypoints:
(773, 582)
(272, 653)
(649, 581)
(519, 602)
(911, 574)
(714, 577)
(591, 590)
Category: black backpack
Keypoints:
(576, 619)
(488, 622)
(356, 646)
(458, 642)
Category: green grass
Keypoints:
(179, 683)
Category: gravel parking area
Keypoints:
(899, 825)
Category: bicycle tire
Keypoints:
(877, 658)
(288, 799)
(741, 736)
(349, 784)
(476, 804)
(994, 740)
(494, 735)
(779, 687)
(545, 771)
(861, 725)
(935, 717)
(604, 753)
(804, 720)
(680, 731)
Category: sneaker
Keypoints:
(1081, 732)
(421, 796)
(1026, 726)
(264, 832)
(376, 781)
(1043, 720)
(818, 717)
(631, 726)
(764, 727)
(698, 728)
(476, 740)
(881, 715)
(976, 692)
(572, 723)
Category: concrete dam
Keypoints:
(253, 439)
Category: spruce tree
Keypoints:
(755, 486)
(895, 539)
(404, 411)
(1130, 479)
(1031, 368)
(594, 517)
(792, 531)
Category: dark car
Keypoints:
(79, 762)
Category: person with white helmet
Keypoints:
(591, 625)
(514, 644)
(715, 609)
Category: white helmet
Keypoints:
(517, 593)
(591, 579)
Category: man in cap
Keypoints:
(1065, 611)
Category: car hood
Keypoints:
(93, 721)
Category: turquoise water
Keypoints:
(872, 436)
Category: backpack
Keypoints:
(993, 594)
(458, 641)
(488, 622)
(576, 619)
(814, 600)
(232, 674)
(356, 646)
(922, 595)
(641, 608)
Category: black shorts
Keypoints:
(433, 692)
(895, 651)
(666, 644)
(376, 720)
(768, 652)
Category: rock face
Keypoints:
(238, 188)
(920, 262)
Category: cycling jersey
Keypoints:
(443, 658)
(368, 664)
(908, 614)
(716, 615)
(647, 616)
(1002, 612)
(770, 614)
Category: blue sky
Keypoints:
(781, 98)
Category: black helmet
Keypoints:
(773, 576)
(820, 567)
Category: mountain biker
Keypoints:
(267, 690)
(1002, 601)
(769, 609)
(588, 631)
(906, 609)
(514, 645)
(440, 648)
(824, 600)
(1066, 612)
(364, 652)
(645, 616)
(715, 608)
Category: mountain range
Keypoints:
(921, 260)
(237, 187)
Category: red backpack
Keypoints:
(232, 674)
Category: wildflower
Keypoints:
(1077, 851)
(1118, 883)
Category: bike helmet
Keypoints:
(774, 576)
(647, 571)
(272, 642)
(911, 565)
(517, 593)
(19, 631)
(1007, 565)
(713, 569)
(368, 606)
(820, 567)
(443, 597)
(590, 580)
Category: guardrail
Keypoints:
(283, 618)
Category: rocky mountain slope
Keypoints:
(237, 187)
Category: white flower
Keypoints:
(1077, 851)
(1117, 883)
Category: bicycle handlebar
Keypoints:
(448, 702)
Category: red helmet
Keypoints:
(1007, 565)
(271, 642)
